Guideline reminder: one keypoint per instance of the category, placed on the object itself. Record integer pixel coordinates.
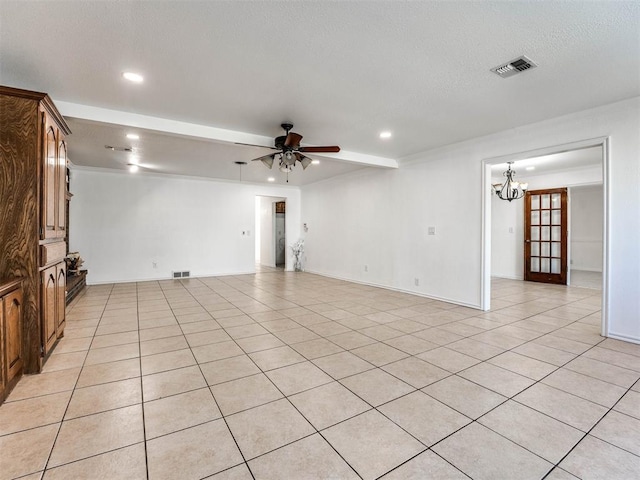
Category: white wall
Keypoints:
(586, 228)
(122, 223)
(507, 238)
(507, 248)
(381, 217)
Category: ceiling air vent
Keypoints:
(514, 67)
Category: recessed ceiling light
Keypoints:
(133, 77)
(271, 179)
(385, 134)
(133, 136)
(315, 162)
(530, 168)
(133, 168)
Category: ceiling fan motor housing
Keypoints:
(279, 143)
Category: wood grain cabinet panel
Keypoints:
(61, 297)
(49, 182)
(61, 193)
(11, 323)
(54, 181)
(13, 326)
(49, 307)
(3, 368)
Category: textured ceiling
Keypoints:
(341, 71)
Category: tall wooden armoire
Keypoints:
(33, 169)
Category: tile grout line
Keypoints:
(46, 464)
(290, 403)
(212, 396)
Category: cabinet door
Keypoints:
(49, 181)
(61, 193)
(61, 297)
(3, 375)
(48, 308)
(13, 336)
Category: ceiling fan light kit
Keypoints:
(291, 152)
(510, 190)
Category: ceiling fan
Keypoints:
(290, 151)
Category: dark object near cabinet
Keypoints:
(75, 284)
(10, 335)
(32, 214)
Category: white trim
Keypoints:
(624, 338)
(508, 277)
(606, 236)
(575, 269)
(485, 274)
(162, 279)
(395, 289)
(485, 232)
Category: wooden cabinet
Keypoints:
(11, 305)
(61, 298)
(33, 189)
(54, 183)
(48, 307)
(53, 300)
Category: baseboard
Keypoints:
(508, 277)
(624, 338)
(395, 289)
(160, 279)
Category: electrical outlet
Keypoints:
(416, 282)
(431, 231)
(366, 268)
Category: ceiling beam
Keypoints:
(117, 117)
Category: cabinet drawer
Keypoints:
(52, 253)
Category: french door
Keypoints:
(545, 248)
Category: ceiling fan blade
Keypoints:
(292, 140)
(252, 145)
(267, 160)
(304, 161)
(327, 149)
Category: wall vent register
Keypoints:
(515, 66)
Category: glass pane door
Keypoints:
(546, 236)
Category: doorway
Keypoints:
(270, 247)
(279, 231)
(503, 222)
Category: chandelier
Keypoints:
(510, 189)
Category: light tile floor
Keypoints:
(295, 376)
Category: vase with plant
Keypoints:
(74, 261)
(298, 249)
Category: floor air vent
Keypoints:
(514, 67)
(184, 274)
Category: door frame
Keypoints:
(486, 193)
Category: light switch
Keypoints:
(431, 231)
